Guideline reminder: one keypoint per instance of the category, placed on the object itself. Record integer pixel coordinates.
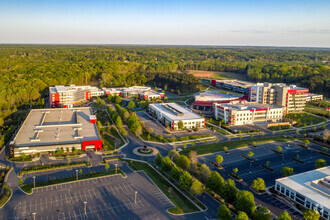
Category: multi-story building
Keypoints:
(140, 92)
(233, 85)
(291, 97)
(172, 113)
(312, 97)
(150, 95)
(310, 189)
(240, 113)
(66, 96)
(47, 130)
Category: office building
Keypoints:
(233, 85)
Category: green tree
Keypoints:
(225, 149)
(230, 191)
(224, 213)
(80, 171)
(196, 188)
(278, 148)
(166, 164)
(185, 180)
(106, 166)
(118, 122)
(175, 172)
(311, 214)
(320, 163)
(287, 171)
(21, 181)
(156, 89)
(258, 184)
(241, 216)
(109, 98)
(174, 155)
(219, 159)
(235, 170)
(131, 105)
(180, 125)
(245, 202)
(285, 216)
(184, 145)
(306, 142)
(118, 100)
(205, 172)
(250, 154)
(263, 214)
(158, 159)
(325, 149)
(183, 162)
(215, 182)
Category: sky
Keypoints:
(297, 23)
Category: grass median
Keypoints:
(28, 187)
(183, 205)
(5, 195)
(216, 147)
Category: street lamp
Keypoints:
(77, 174)
(34, 181)
(116, 167)
(34, 215)
(135, 197)
(85, 206)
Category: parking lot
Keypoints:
(111, 197)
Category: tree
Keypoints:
(166, 164)
(229, 191)
(109, 98)
(175, 172)
(278, 148)
(184, 145)
(131, 105)
(311, 214)
(118, 122)
(180, 125)
(241, 216)
(306, 142)
(185, 180)
(219, 159)
(245, 202)
(183, 162)
(156, 89)
(80, 171)
(225, 149)
(106, 166)
(118, 100)
(21, 181)
(258, 184)
(250, 154)
(193, 156)
(215, 182)
(320, 163)
(287, 171)
(284, 216)
(224, 213)
(263, 214)
(325, 149)
(235, 170)
(196, 188)
(205, 172)
(158, 159)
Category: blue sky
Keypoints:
(180, 22)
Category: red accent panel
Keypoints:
(65, 106)
(298, 90)
(204, 122)
(87, 95)
(173, 124)
(93, 121)
(214, 82)
(55, 100)
(162, 96)
(97, 144)
(259, 109)
(145, 97)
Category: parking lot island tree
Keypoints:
(285, 216)
(219, 159)
(320, 163)
(241, 216)
(311, 214)
(258, 184)
(245, 202)
(185, 180)
(224, 213)
(287, 171)
(263, 214)
(196, 188)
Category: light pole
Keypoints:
(77, 174)
(135, 197)
(34, 181)
(34, 215)
(116, 167)
(85, 207)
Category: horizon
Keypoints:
(211, 23)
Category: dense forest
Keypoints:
(28, 70)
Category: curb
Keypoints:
(11, 194)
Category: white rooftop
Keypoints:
(175, 112)
(307, 185)
(215, 95)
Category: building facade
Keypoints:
(67, 96)
(47, 130)
(311, 97)
(233, 85)
(241, 113)
(310, 189)
(291, 97)
(172, 114)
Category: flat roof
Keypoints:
(303, 184)
(215, 95)
(56, 126)
(170, 110)
(266, 84)
(248, 106)
(236, 82)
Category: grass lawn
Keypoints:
(216, 147)
(162, 139)
(28, 187)
(182, 204)
(217, 129)
(304, 119)
(315, 109)
(5, 195)
(108, 141)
